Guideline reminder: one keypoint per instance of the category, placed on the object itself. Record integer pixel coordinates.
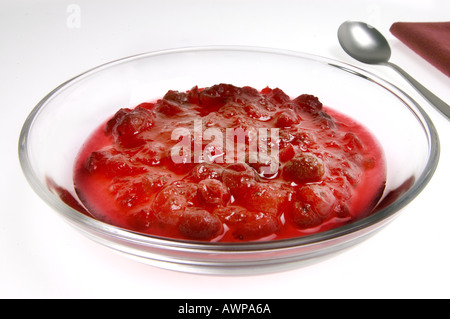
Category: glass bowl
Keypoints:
(57, 127)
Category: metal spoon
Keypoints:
(366, 44)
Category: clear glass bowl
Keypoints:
(57, 127)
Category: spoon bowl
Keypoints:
(366, 44)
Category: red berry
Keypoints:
(170, 203)
(193, 96)
(341, 188)
(286, 153)
(250, 93)
(152, 153)
(349, 170)
(304, 216)
(217, 95)
(168, 108)
(264, 197)
(304, 140)
(308, 103)
(276, 96)
(230, 110)
(325, 121)
(183, 164)
(120, 114)
(312, 205)
(141, 220)
(198, 223)
(238, 178)
(342, 210)
(287, 118)
(207, 171)
(254, 111)
(352, 143)
(231, 215)
(248, 225)
(320, 197)
(111, 163)
(213, 192)
(128, 127)
(257, 225)
(176, 96)
(136, 190)
(304, 168)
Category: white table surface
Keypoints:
(43, 43)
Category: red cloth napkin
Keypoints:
(431, 40)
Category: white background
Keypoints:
(42, 46)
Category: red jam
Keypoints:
(228, 164)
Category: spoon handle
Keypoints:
(433, 99)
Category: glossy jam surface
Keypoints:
(228, 163)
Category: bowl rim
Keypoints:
(371, 221)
